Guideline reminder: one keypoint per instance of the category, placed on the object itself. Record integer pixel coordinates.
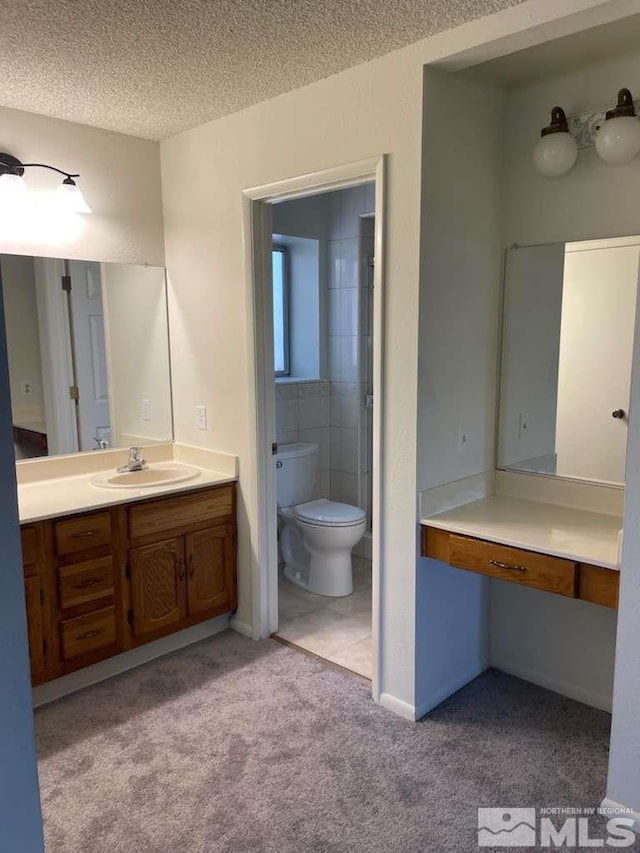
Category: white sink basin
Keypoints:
(157, 474)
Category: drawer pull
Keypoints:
(507, 566)
(85, 584)
(192, 569)
(90, 635)
(85, 534)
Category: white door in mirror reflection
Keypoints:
(596, 347)
(569, 316)
(88, 343)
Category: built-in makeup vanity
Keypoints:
(549, 518)
(567, 551)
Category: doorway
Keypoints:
(363, 484)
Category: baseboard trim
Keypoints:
(457, 684)
(398, 706)
(610, 807)
(242, 628)
(66, 684)
(564, 688)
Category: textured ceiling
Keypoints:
(153, 68)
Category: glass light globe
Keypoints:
(618, 140)
(555, 154)
(70, 197)
(13, 189)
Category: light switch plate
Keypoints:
(201, 417)
(146, 410)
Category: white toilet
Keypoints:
(316, 537)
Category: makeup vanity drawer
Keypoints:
(516, 565)
(157, 517)
(88, 633)
(81, 583)
(80, 534)
(599, 585)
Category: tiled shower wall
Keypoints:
(350, 253)
(303, 414)
(332, 412)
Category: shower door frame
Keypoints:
(257, 230)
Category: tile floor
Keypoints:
(337, 629)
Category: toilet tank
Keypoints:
(296, 467)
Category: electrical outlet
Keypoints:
(524, 425)
(27, 387)
(463, 439)
(146, 410)
(201, 417)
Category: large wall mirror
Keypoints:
(88, 352)
(567, 342)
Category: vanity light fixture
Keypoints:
(557, 150)
(13, 189)
(618, 139)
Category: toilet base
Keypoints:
(331, 577)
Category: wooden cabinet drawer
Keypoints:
(88, 633)
(157, 517)
(29, 537)
(80, 583)
(79, 534)
(540, 571)
(599, 585)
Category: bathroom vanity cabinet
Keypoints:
(100, 583)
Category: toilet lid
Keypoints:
(330, 513)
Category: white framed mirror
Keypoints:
(567, 342)
(88, 354)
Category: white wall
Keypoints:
(461, 274)
(119, 176)
(459, 309)
(590, 202)
(136, 336)
(623, 785)
(23, 338)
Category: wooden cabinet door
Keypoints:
(158, 585)
(210, 569)
(35, 626)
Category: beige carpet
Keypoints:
(231, 745)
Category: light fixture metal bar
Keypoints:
(585, 126)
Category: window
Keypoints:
(280, 310)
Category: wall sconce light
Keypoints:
(557, 150)
(14, 191)
(618, 139)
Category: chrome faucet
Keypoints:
(135, 463)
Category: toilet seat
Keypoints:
(324, 513)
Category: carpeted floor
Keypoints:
(231, 745)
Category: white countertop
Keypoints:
(575, 534)
(67, 495)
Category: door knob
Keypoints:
(619, 413)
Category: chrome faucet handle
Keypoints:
(135, 463)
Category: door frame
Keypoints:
(257, 203)
(56, 355)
